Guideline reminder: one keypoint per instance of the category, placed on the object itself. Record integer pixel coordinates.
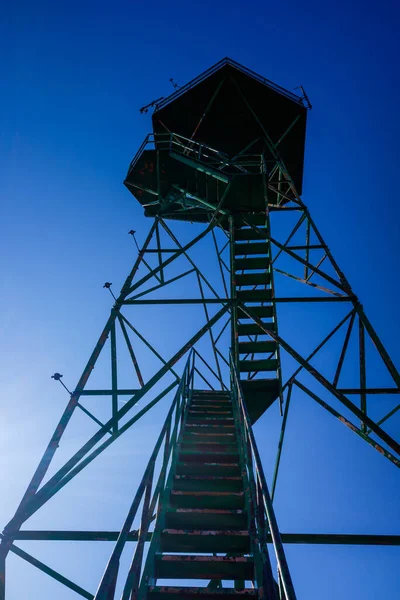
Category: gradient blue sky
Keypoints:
(74, 76)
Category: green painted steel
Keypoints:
(203, 504)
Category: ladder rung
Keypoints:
(251, 248)
(250, 347)
(178, 540)
(193, 593)
(172, 566)
(260, 312)
(253, 279)
(259, 219)
(205, 518)
(207, 499)
(261, 262)
(251, 234)
(254, 329)
(200, 482)
(211, 467)
(254, 296)
(213, 393)
(247, 366)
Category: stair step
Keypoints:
(191, 593)
(201, 482)
(205, 518)
(256, 347)
(260, 312)
(208, 446)
(207, 499)
(210, 394)
(255, 219)
(209, 428)
(199, 404)
(203, 540)
(194, 456)
(211, 467)
(254, 329)
(171, 566)
(210, 406)
(254, 295)
(195, 419)
(247, 366)
(251, 263)
(193, 436)
(251, 234)
(251, 248)
(253, 279)
(210, 410)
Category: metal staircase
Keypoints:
(257, 356)
(211, 507)
(226, 150)
(205, 512)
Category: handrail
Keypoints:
(198, 151)
(254, 465)
(151, 499)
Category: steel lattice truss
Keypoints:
(304, 269)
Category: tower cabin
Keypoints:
(217, 144)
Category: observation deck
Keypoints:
(215, 141)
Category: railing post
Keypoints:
(287, 584)
(256, 520)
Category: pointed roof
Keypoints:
(232, 109)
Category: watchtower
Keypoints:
(226, 153)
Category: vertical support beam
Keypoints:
(114, 380)
(159, 253)
(307, 249)
(363, 383)
(234, 331)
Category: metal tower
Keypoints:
(226, 153)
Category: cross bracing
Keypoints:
(245, 358)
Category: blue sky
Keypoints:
(74, 76)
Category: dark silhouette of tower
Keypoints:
(226, 152)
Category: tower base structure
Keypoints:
(226, 153)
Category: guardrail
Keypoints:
(262, 521)
(145, 496)
(174, 142)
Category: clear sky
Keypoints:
(74, 75)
